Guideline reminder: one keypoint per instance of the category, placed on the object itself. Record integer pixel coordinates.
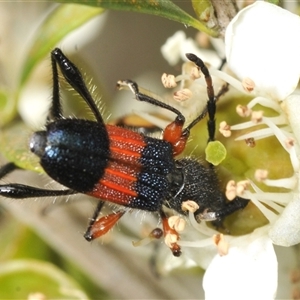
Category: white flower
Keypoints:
(261, 44)
(262, 49)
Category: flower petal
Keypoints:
(286, 230)
(246, 272)
(178, 45)
(172, 48)
(292, 109)
(262, 44)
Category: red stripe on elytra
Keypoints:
(107, 194)
(118, 187)
(118, 183)
(124, 134)
(125, 152)
(120, 174)
(125, 139)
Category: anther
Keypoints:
(176, 223)
(256, 116)
(221, 244)
(289, 142)
(195, 73)
(248, 84)
(243, 110)
(230, 190)
(224, 129)
(241, 186)
(168, 81)
(189, 205)
(250, 142)
(183, 95)
(261, 175)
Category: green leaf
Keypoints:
(276, 2)
(215, 152)
(161, 8)
(14, 146)
(63, 20)
(8, 106)
(20, 279)
(200, 7)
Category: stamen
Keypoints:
(176, 223)
(271, 198)
(230, 190)
(195, 73)
(248, 84)
(201, 227)
(257, 116)
(189, 74)
(152, 119)
(243, 110)
(171, 239)
(183, 77)
(142, 242)
(281, 137)
(190, 206)
(227, 78)
(224, 129)
(261, 175)
(272, 204)
(241, 187)
(279, 120)
(155, 234)
(271, 216)
(168, 81)
(288, 183)
(221, 244)
(265, 102)
(197, 244)
(241, 126)
(294, 159)
(183, 95)
(289, 142)
(250, 142)
(257, 134)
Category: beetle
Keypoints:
(122, 166)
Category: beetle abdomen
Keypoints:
(73, 152)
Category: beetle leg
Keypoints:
(98, 227)
(19, 191)
(173, 133)
(7, 168)
(74, 77)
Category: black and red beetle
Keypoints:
(120, 165)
